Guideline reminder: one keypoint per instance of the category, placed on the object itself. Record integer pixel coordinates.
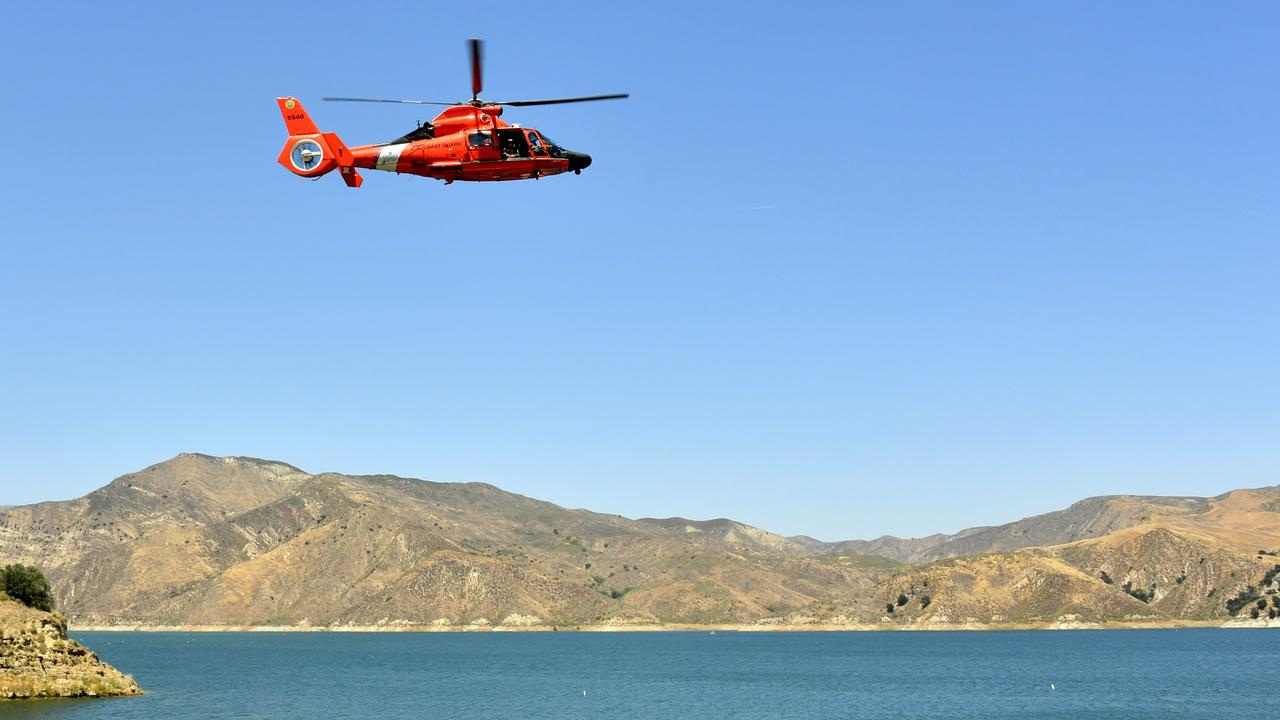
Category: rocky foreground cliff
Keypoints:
(38, 660)
(236, 542)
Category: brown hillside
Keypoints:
(199, 540)
(1090, 518)
(239, 541)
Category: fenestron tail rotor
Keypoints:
(477, 86)
(306, 154)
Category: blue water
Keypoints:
(1129, 675)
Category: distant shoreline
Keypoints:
(877, 627)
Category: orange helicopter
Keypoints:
(467, 141)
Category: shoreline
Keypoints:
(679, 627)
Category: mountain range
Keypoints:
(223, 542)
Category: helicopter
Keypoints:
(468, 140)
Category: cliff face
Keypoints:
(38, 660)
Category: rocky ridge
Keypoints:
(1089, 518)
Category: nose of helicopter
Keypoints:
(578, 161)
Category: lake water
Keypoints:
(1129, 675)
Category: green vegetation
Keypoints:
(902, 599)
(1242, 599)
(1271, 575)
(1253, 594)
(924, 601)
(888, 607)
(1145, 596)
(1106, 578)
(27, 585)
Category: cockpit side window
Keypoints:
(535, 145)
(483, 138)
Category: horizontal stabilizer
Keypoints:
(341, 154)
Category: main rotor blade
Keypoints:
(405, 102)
(560, 101)
(477, 79)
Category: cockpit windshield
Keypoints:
(551, 145)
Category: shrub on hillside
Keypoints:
(27, 585)
(1271, 575)
(1145, 596)
(1243, 598)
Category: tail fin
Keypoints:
(309, 152)
(295, 117)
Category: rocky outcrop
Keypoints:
(38, 660)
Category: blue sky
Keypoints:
(841, 270)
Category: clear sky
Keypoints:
(838, 269)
